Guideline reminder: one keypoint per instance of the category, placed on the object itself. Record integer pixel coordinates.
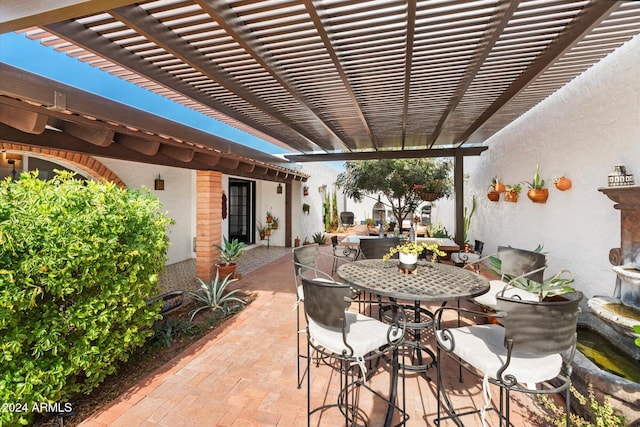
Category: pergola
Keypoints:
(328, 80)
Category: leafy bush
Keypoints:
(601, 414)
(78, 260)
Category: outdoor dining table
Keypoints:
(430, 282)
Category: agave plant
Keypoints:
(551, 286)
(212, 295)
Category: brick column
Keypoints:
(208, 222)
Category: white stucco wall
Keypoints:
(583, 130)
(178, 200)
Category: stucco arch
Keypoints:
(88, 164)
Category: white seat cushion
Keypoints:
(482, 346)
(495, 287)
(364, 335)
(300, 293)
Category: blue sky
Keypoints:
(17, 50)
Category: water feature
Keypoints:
(614, 316)
(606, 356)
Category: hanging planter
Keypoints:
(305, 191)
(432, 190)
(537, 192)
(494, 196)
(496, 185)
(429, 196)
(563, 183)
(538, 195)
(512, 192)
(306, 208)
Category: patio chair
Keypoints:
(532, 353)
(347, 340)
(463, 258)
(305, 261)
(347, 218)
(341, 253)
(377, 248)
(515, 264)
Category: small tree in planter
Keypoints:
(230, 251)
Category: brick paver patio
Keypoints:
(244, 374)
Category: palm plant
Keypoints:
(212, 295)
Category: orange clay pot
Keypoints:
(510, 196)
(562, 183)
(494, 196)
(499, 187)
(538, 196)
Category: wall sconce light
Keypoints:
(279, 188)
(12, 159)
(158, 184)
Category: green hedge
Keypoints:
(78, 260)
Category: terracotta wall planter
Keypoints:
(510, 196)
(538, 196)
(494, 196)
(563, 183)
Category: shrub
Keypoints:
(78, 260)
(602, 414)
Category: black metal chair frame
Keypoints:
(304, 260)
(326, 303)
(341, 253)
(534, 328)
(377, 248)
(464, 257)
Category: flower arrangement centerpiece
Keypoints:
(430, 191)
(409, 252)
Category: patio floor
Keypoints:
(244, 374)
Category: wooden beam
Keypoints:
(144, 146)
(19, 14)
(208, 159)
(97, 136)
(391, 154)
(229, 163)
(23, 120)
(178, 153)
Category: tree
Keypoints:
(396, 180)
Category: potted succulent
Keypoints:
(492, 194)
(319, 238)
(275, 221)
(512, 192)
(550, 288)
(230, 251)
(262, 230)
(562, 183)
(537, 192)
(269, 217)
(498, 186)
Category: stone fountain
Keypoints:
(614, 316)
